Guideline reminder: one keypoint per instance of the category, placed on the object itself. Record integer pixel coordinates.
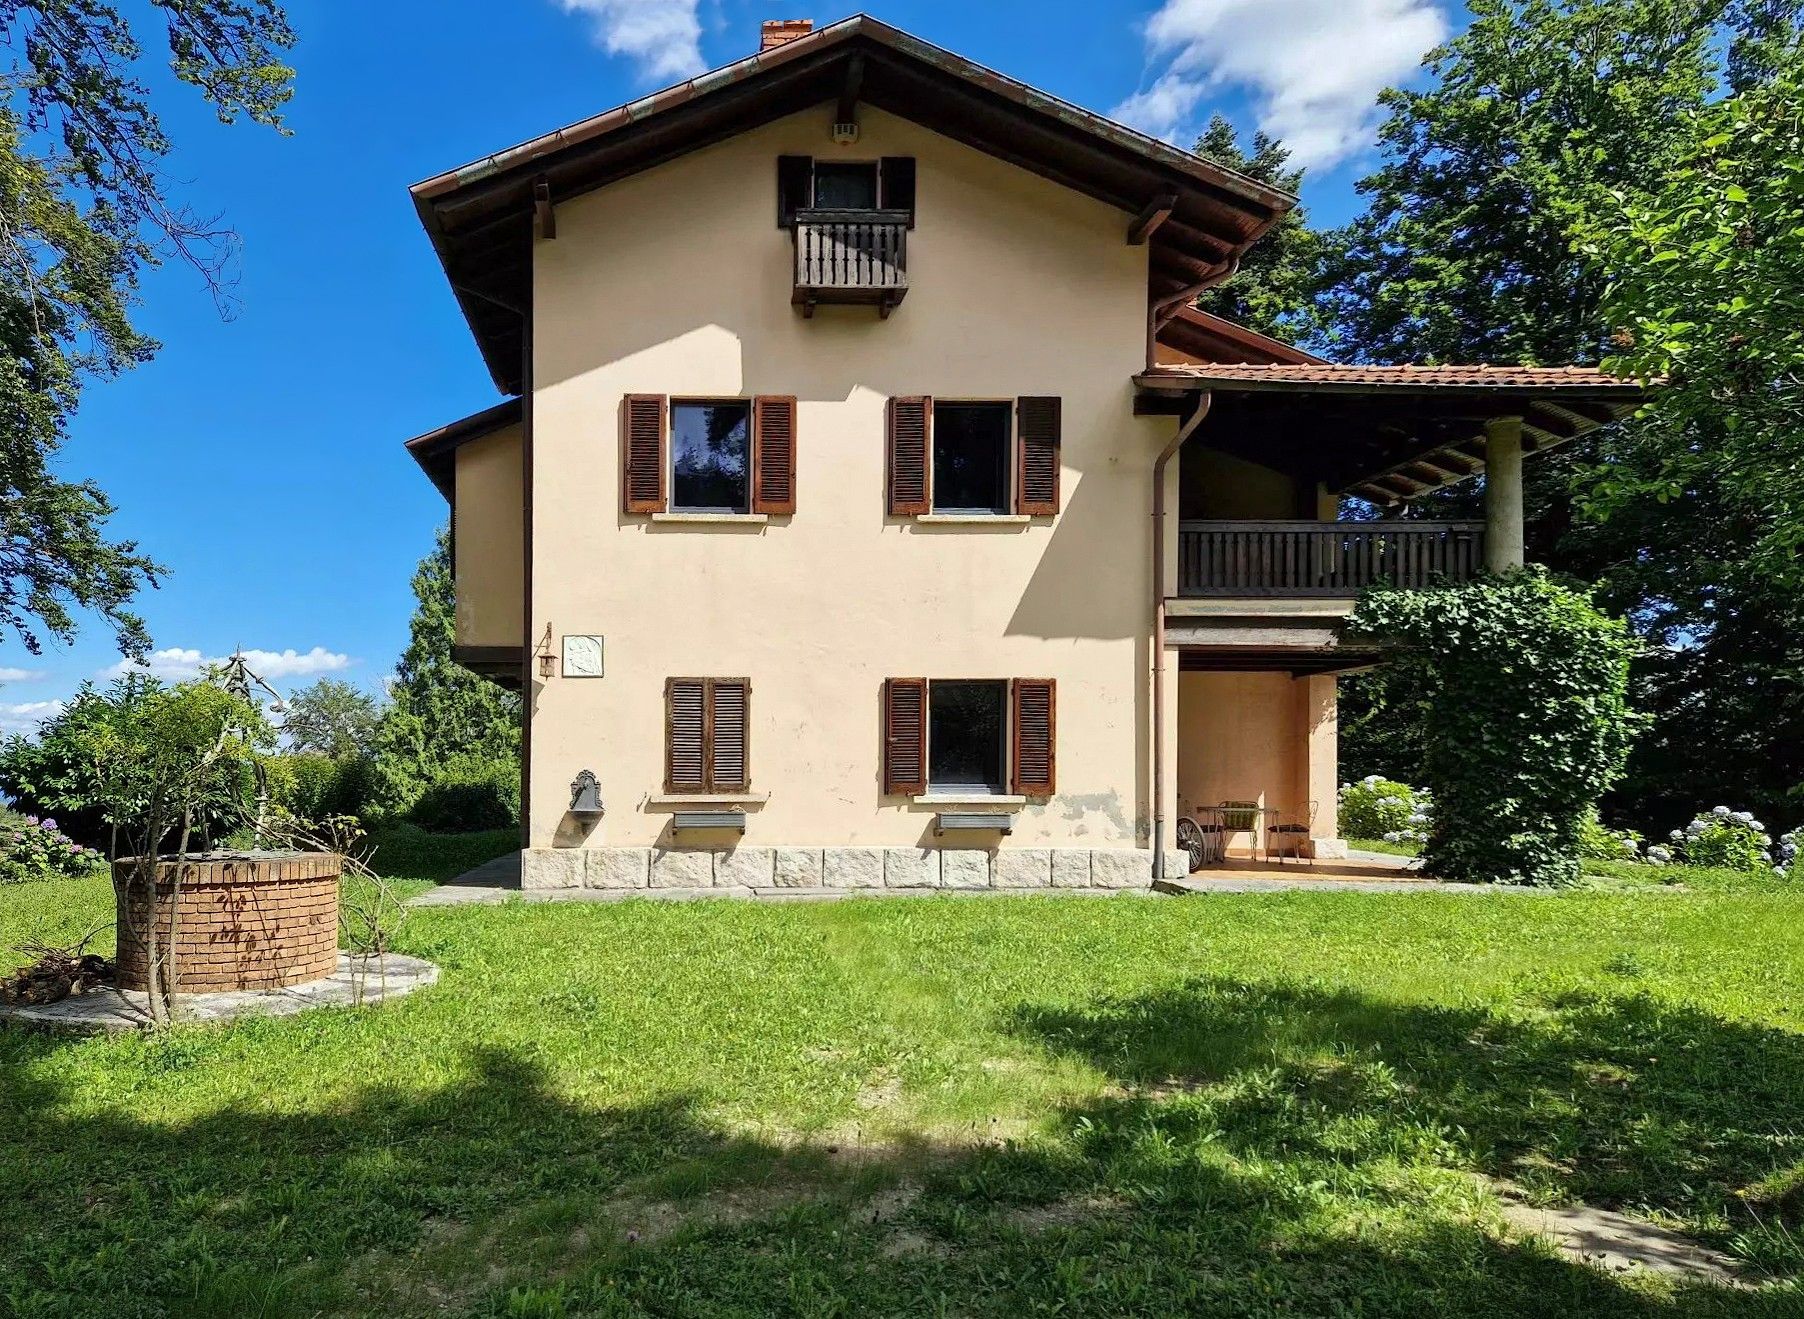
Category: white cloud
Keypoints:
(25, 717)
(18, 675)
(663, 37)
(178, 664)
(1312, 68)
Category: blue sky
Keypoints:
(259, 457)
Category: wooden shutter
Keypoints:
(910, 428)
(795, 187)
(773, 454)
(1038, 435)
(728, 734)
(896, 185)
(1034, 721)
(643, 432)
(905, 736)
(685, 734)
(707, 734)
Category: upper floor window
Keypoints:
(710, 456)
(842, 186)
(974, 457)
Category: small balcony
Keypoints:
(1266, 560)
(855, 258)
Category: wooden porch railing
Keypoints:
(851, 256)
(1323, 558)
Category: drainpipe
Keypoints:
(1164, 309)
(1188, 427)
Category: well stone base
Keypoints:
(751, 870)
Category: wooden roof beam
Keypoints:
(1155, 213)
(542, 209)
(846, 112)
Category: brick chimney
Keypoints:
(782, 31)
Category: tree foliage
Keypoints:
(332, 718)
(85, 206)
(440, 717)
(1707, 291)
(1275, 290)
(1526, 686)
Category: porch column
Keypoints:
(1503, 494)
(1320, 702)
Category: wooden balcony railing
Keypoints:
(851, 257)
(1323, 558)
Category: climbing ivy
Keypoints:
(1526, 687)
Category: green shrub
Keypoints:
(469, 796)
(314, 786)
(1599, 842)
(1526, 684)
(1382, 809)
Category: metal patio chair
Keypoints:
(1288, 833)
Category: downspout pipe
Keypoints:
(1188, 428)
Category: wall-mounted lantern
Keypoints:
(585, 795)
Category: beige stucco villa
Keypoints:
(871, 506)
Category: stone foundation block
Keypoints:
(964, 867)
(1328, 849)
(618, 867)
(744, 867)
(1127, 867)
(1023, 868)
(1177, 864)
(797, 867)
(682, 870)
(852, 867)
(544, 868)
(1071, 868)
(911, 867)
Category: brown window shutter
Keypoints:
(896, 185)
(910, 456)
(643, 421)
(905, 736)
(773, 454)
(685, 735)
(795, 187)
(728, 733)
(1035, 722)
(1038, 436)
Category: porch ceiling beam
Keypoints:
(1155, 213)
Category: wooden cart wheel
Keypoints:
(1190, 838)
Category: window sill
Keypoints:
(974, 519)
(718, 519)
(684, 800)
(969, 799)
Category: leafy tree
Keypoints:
(1545, 113)
(1526, 686)
(440, 717)
(84, 208)
(1275, 290)
(332, 718)
(1707, 291)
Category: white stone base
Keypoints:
(749, 871)
(1328, 849)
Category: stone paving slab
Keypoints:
(1193, 886)
(1617, 1243)
(358, 982)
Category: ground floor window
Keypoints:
(967, 743)
(971, 445)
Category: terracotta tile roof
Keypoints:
(1331, 375)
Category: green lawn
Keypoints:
(1258, 1105)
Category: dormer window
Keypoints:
(806, 184)
(839, 186)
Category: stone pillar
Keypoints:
(1503, 494)
(1320, 708)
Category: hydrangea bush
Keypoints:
(1726, 840)
(1599, 842)
(1378, 807)
(31, 848)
